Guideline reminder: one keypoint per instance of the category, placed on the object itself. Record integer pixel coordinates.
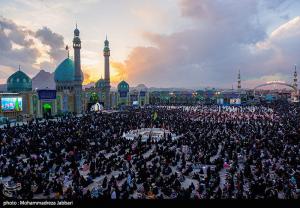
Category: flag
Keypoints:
(155, 116)
(17, 106)
(94, 193)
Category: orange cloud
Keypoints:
(88, 75)
(140, 66)
(118, 72)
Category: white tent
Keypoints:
(97, 107)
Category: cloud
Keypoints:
(264, 79)
(87, 78)
(205, 46)
(227, 36)
(120, 72)
(275, 4)
(25, 54)
(90, 73)
(15, 33)
(281, 47)
(55, 41)
(22, 46)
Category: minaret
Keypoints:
(77, 47)
(78, 73)
(239, 86)
(295, 78)
(106, 54)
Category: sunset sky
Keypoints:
(162, 43)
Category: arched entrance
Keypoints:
(94, 98)
(294, 94)
(47, 110)
(274, 83)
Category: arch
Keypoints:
(272, 83)
(94, 98)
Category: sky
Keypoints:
(170, 43)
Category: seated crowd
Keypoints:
(247, 152)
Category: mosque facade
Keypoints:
(20, 100)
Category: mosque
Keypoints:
(21, 100)
(68, 96)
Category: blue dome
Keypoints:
(19, 82)
(123, 86)
(100, 84)
(65, 71)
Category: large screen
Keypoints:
(235, 101)
(11, 104)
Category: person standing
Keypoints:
(113, 194)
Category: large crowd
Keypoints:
(247, 152)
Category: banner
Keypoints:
(47, 94)
(155, 116)
(142, 93)
(123, 94)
